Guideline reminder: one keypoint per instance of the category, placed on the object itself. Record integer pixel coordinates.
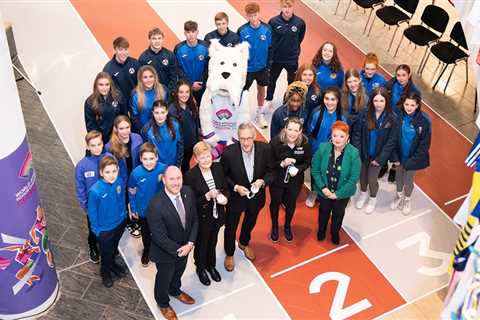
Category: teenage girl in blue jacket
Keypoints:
(354, 98)
(145, 93)
(308, 75)
(125, 146)
(184, 109)
(144, 182)
(375, 137)
(329, 68)
(400, 86)
(164, 132)
(412, 149)
(107, 213)
(320, 124)
(371, 79)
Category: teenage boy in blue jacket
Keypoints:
(259, 36)
(288, 31)
(162, 59)
(107, 214)
(192, 58)
(86, 174)
(226, 37)
(123, 68)
(144, 182)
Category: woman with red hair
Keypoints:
(335, 172)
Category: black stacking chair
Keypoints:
(450, 52)
(434, 22)
(365, 4)
(401, 11)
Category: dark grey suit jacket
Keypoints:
(167, 231)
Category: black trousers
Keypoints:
(232, 220)
(146, 234)
(92, 238)
(187, 155)
(168, 280)
(275, 71)
(288, 196)
(204, 252)
(335, 208)
(108, 242)
(198, 94)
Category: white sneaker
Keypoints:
(407, 206)
(372, 202)
(397, 202)
(310, 202)
(262, 123)
(361, 200)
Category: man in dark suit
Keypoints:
(173, 221)
(246, 168)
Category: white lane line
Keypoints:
(306, 3)
(409, 302)
(308, 261)
(456, 199)
(217, 299)
(396, 224)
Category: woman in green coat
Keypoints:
(335, 172)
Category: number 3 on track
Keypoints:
(337, 310)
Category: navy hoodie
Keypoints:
(287, 35)
(417, 156)
(229, 39)
(124, 75)
(165, 64)
(103, 121)
(384, 136)
(280, 117)
(189, 124)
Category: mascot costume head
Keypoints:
(224, 104)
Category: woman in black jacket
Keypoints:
(103, 106)
(412, 149)
(208, 183)
(290, 157)
(375, 136)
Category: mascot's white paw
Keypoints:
(224, 104)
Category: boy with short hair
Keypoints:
(226, 37)
(288, 31)
(123, 68)
(107, 213)
(86, 174)
(162, 59)
(144, 182)
(259, 36)
(192, 58)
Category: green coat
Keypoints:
(349, 173)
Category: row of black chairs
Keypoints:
(428, 33)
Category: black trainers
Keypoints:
(118, 271)
(93, 255)
(288, 233)
(107, 280)
(274, 234)
(145, 259)
(391, 175)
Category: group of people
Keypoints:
(143, 132)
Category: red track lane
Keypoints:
(447, 178)
(292, 287)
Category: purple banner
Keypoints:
(28, 279)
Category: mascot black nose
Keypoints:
(225, 75)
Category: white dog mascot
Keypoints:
(224, 104)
